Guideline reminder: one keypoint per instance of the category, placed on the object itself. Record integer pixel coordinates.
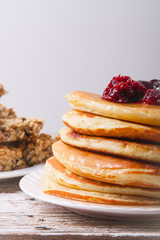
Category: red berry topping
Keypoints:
(152, 84)
(118, 79)
(119, 93)
(155, 83)
(152, 96)
(147, 84)
(138, 88)
(123, 89)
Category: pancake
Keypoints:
(50, 186)
(134, 112)
(91, 124)
(65, 177)
(139, 151)
(107, 168)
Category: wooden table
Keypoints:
(22, 217)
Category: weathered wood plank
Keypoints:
(22, 217)
(73, 237)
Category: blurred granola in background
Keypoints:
(21, 144)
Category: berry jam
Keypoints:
(152, 96)
(122, 89)
(147, 84)
(155, 83)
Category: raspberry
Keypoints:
(152, 84)
(152, 96)
(147, 84)
(138, 88)
(119, 93)
(155, 83)
(123, 89)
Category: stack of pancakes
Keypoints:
(108, 153)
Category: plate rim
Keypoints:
(84, 206)
(19, 172)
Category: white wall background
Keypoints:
(52, 47)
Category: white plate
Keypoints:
(20, 172)
(30, 185)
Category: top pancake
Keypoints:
(133, 112)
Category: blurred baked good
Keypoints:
(38, 149)
(16, 155)
(7, 113)
(21, 144)
(10, 159)
(2, 90)
(17, 129)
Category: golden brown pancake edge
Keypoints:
(121, 148)
(94, 125)
(107, 168)
(50, 186)
(134, 112)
